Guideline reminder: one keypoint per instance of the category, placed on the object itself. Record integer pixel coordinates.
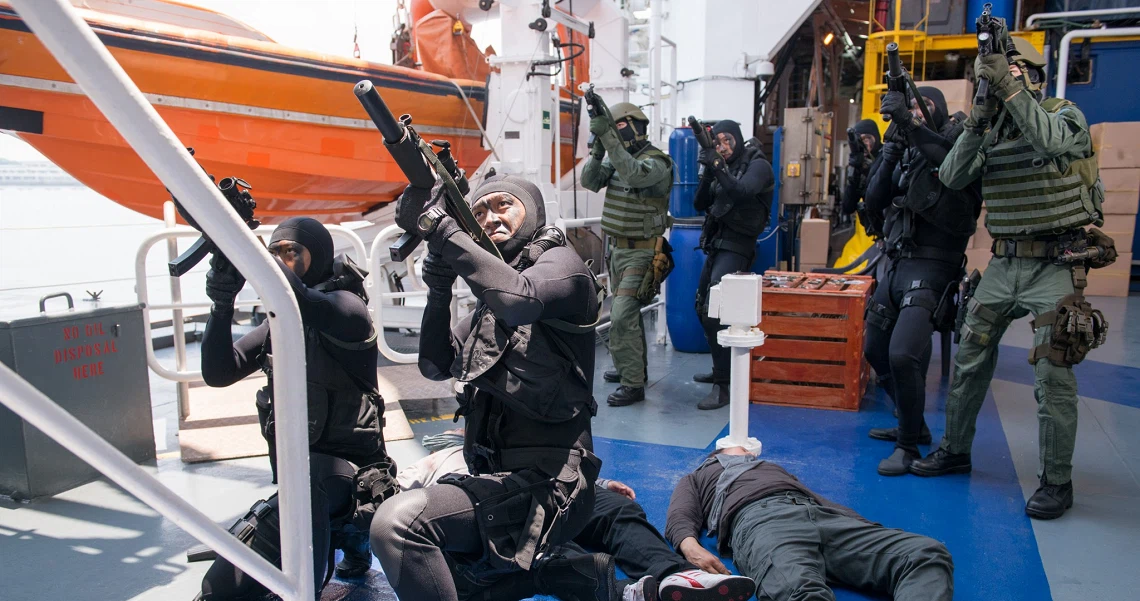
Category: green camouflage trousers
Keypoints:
(627, 330)
(1011, 289)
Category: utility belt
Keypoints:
(739, 248)
(522, 513)
(901, 250)
(634, 243)
(1046, 248)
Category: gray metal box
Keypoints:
(805, 156)
(93, 364)
(947, 17)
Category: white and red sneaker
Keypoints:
(642, 590)
(697, 585)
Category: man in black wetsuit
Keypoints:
(927, 227)
(345, 411)
(860, 165)
(525, 357)
(736, 192)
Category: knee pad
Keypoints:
(979, 317)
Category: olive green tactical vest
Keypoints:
(639, 213)
(1027, 195)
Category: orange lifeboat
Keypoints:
(283, 119)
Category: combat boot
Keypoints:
(898, 463)
(717, 398)
(626, 395)
(1050, 501)
(578, 577)
(705, 378)
(892, 434)
(612, 376)
(357, 555)
(942, 462)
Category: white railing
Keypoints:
(57, 25)
(1080, 14)
(1063, 62)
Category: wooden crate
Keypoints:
(813, 356)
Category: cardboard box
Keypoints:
(1121, 228)
(815, 236)
(955, 90)
(1117, 145)
(1121, 191)
(1112, 280)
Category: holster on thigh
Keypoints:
(521, 513)
(259, 529)
(881, 316)
(980, 324)
(1077, 329)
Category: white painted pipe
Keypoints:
(1063, 51)
(376, 255)
(740, 383)
(183, 388)
(655, 22)
(1103, 12)
(89, 63)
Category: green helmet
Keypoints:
(1024, 51)
(622, 110)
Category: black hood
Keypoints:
(867, 126)
(940, 114)
(312, 235)
(530, 196)
(728, 126)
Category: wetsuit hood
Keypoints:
(869, 127)
(311, 234)
(530, 196)
(728, 126)
(940, 114)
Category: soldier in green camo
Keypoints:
(637, 177)
(1041, 186)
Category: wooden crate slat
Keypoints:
(799, 372)
(803, 396)
(805, 302)
(803, 349)
(813, 327)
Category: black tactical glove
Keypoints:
(437, 273)
(446, 228)
(895, 105)
(995, 67)
(710, 158)
(223, 282)
(856, 160)
(413, 203)
(598, 149)
(981, 114)
(893, 152)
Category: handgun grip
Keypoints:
(403, 248)
(983, 91)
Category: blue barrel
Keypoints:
(683, 148)
(681, 288)
(1002, 8)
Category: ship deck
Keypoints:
(97, 542)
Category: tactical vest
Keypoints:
(749, 219)
(1027, 195)
(345, 413)
(639, 213)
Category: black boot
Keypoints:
(1050, 501)
(705, 378)
(626, 395)
(717, 398)
(942, 462)
(612, 376)
(892, 434)
(898, 463)
(578, 577)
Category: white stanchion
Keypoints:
(736, 302)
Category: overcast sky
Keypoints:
(320, 25)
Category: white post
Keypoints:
(736, 303)
(183, 388)
(90, 64)
(655, 71)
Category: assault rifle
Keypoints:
(236, 191)
(898, 80)
(595, 106)
(417, 160)
(989, 29)
(704, 140)
(855, 143)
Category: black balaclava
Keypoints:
(728, 126)
(939, 115)
(309, 232)
(633, 137)
(869, 127)
(530, 196)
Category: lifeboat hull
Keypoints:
(283, 119)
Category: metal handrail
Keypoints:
(376, 253)
(72, 42)
(1103, 12)
(142, 292)
(1063, 62)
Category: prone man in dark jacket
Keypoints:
(736, 192)
(791, 541)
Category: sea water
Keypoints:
(72, 239)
